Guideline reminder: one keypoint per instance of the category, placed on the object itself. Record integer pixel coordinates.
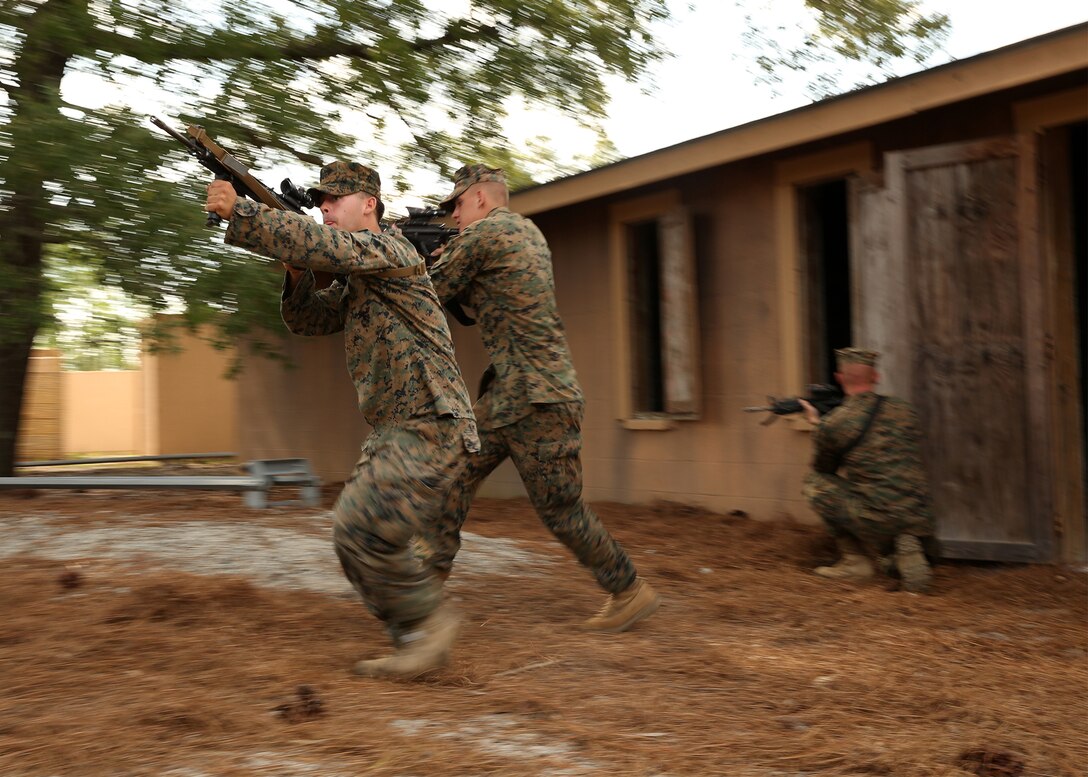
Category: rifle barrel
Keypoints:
(174, 133)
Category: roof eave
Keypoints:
(1036, 59)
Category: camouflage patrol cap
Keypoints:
(469, 175)
(340, 178)
(856, 356)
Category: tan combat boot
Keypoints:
(854, 564)
(625, 609)
(425, 647)
(914, 569)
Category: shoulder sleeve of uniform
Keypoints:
(300, 241)
(458, 264)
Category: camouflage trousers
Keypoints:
(845, 511)
(546, 448)
(395, 494)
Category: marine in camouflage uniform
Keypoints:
(868, 483)
(500, 265)
(400, 357)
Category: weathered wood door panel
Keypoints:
(949, 308)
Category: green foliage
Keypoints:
(93, 324)
(537, 162)
(875, 35)
(97, 189)
(117, 201)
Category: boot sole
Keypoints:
(380, 668)
(830, 573)
(645, 612)
(407, 663)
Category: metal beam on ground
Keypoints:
(264, 475)
(128, 459)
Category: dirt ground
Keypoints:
(183, 634)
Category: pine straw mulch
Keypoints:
(753, 667)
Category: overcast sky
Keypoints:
(708, 85)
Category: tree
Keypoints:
(93, 324)
(870, 37)
(301, 80)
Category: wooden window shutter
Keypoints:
(679, 313)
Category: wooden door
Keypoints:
(948, 289)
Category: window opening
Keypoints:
(825, 244)
(644, 267)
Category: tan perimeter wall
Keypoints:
(306, 410)
(192, 407)
(179, 402)
(41, 413)
(103, 412)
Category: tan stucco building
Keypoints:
(939, 218)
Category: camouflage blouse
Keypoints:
(399, 351)
(501, 266)
(885, 469)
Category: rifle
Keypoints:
(226, 167)
(423, 228)
(822, 396)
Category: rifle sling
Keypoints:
(401, 272)
(865, 430)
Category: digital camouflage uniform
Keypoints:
(882, 490)
(501, 266)
(400, 357)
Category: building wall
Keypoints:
(191, 404)
(40, 434)
(103, 412)
(724, 459)
(303, 407)
(179, 402)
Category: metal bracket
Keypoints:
(284, 472)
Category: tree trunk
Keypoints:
(25, 213)
(13, 365)
(20, 315)
(20, 303)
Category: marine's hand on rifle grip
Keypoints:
(220, 201)
(809, 411)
